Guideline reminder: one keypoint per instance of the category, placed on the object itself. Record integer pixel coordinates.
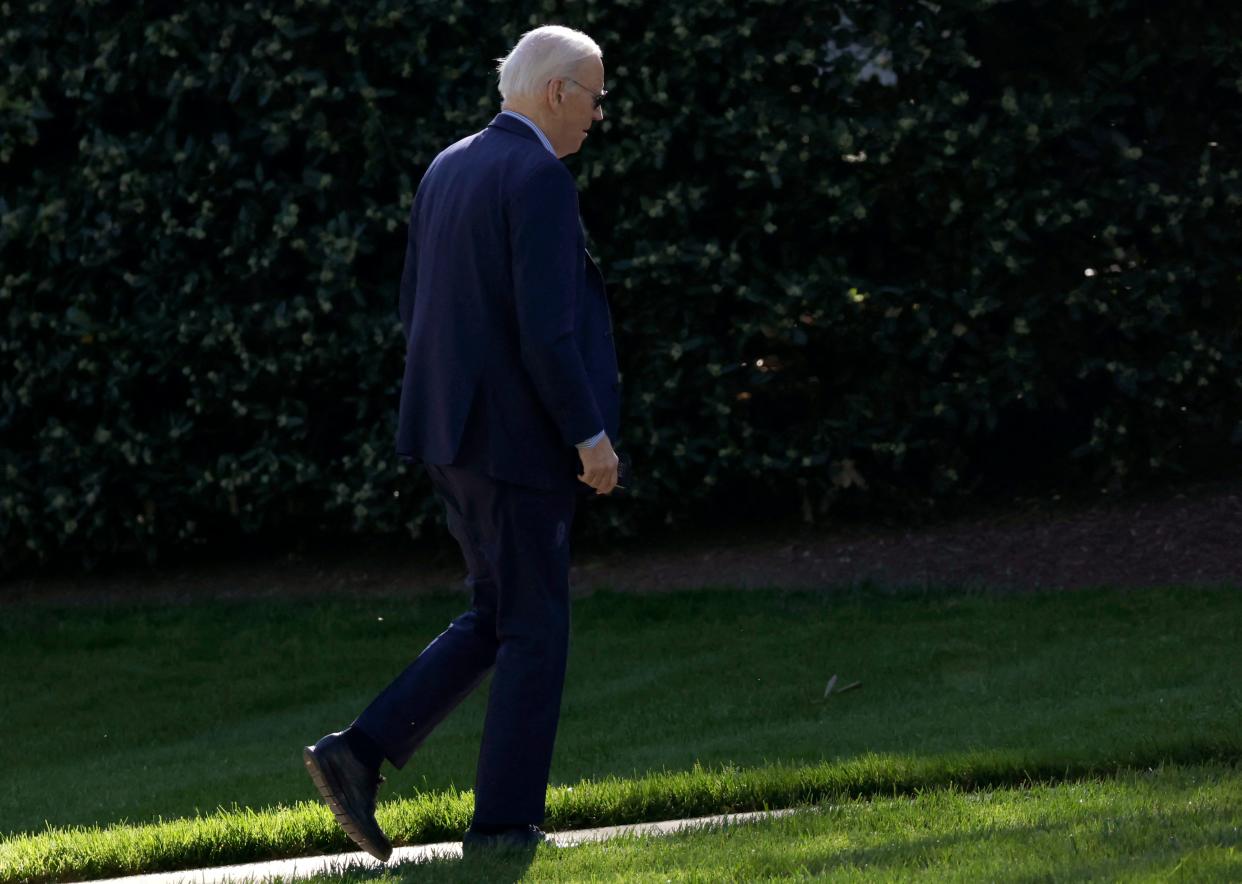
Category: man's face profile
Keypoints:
(573, 108)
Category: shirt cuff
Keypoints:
(592, 442)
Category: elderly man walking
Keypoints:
(510, 399)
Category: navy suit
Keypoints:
(509, 364)
(509, 359)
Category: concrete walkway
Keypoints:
(306, 866)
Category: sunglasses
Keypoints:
(596, 98)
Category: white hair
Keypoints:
(542, 54)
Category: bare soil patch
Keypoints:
(1185, 536)
(1191, 536)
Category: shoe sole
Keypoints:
(320, 778)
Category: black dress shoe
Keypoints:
(349, 787)
(519, 838)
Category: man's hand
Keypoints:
(599, 466)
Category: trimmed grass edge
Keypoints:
(307, 828)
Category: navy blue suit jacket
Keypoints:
(509, 353)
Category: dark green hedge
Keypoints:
(879, 249)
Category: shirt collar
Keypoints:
(529, 122)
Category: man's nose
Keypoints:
(599, 113)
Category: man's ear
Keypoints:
(555, 95)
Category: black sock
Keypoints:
(366, 749)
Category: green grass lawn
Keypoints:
(1170, 824)
(160, 712)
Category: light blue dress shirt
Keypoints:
(529, 122)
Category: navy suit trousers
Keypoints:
(516, 544)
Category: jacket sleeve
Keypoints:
(409, 276)
(543, 239)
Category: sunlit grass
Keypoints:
(246, 835)
(1179, 824)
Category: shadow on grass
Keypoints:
(1171, 822)
(1101, 846)
(497, 868)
